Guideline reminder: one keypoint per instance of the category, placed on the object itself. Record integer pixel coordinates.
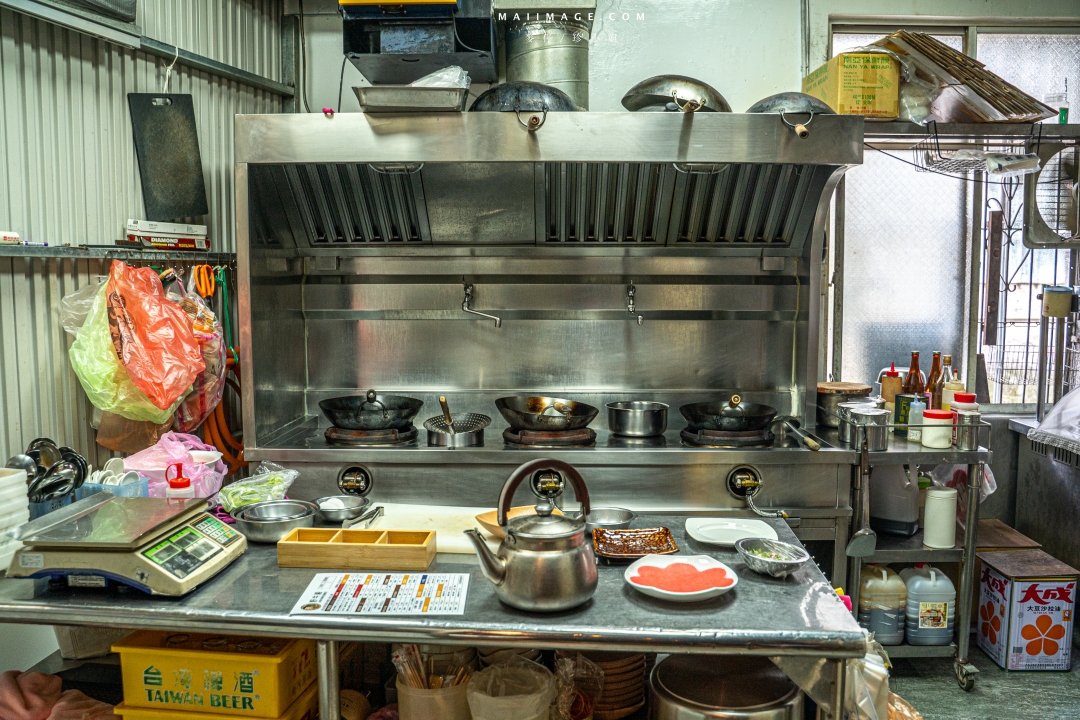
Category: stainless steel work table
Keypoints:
(799, 619)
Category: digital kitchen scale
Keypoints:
(162, 547)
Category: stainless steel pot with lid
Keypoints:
(545, 562)
(704, 687)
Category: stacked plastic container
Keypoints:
(14, 510)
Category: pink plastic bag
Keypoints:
(175, 448)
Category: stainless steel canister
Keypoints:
(828, 406)
(554, 53)
(967, 429)
(843, 414)
(873, 424)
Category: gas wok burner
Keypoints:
(722, 439)
(390, 437)
(582, 437)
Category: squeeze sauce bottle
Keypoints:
(179, 486)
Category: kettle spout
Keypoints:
(494, 568)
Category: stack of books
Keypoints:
(166, 236)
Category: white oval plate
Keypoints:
(727, 531)
(702, 562)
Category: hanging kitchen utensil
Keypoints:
(674, 93)
(732, 415)
(446, 414)
(545, 414)
(58, 481)
(864, 542)
(371, 411)
(795, 428)
(167, 145)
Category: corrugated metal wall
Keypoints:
(68, 174)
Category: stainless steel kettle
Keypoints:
(545, 563)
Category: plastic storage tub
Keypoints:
(931, 605)
(894, 501)
(214, 674)
(882, 601)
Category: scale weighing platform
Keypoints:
(159, 546)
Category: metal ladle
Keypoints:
(24, 462)
(864, 542)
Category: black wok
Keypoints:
(545, 414)
(371, 412)
(732, 415)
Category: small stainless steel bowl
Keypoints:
(270, 530)
(792, 556)
(275, 510)
(609, 518)
(637, 418)
(354, 508)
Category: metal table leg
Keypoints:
(840, 558)
(329, 692)
(836, 711)
(965, 671)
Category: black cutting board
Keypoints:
(167, 145)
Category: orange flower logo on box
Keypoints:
(1043, 636)
(991, 623)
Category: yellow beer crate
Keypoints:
(306, 707)
(214, 674)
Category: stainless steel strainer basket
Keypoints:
(468, 430)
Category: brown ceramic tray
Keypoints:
(628, 544)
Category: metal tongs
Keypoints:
(364, 520)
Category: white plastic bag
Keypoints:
(448, 77)
(955, 476)
(1061, 426)
(515, 690)
(867, 688)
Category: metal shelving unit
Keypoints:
(110, 252)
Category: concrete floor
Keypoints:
(928, 684)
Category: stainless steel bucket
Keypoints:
(553, 53)
(871, 423)
(702, 687)
(843, 414)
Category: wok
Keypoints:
(731, 415)
(545, 414)
(371, 411)
(656, 95)
(520, 96)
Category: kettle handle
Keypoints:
(533, 466)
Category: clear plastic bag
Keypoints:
(101, 374)
(1061, 426)
(448, 703)
(128, 436)
(448, 77)
(75, 307)
(955, 476)
(517, 689)
(175, 448)
(580, 684)
(152, 335)
(270, 482)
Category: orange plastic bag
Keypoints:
(152, 335)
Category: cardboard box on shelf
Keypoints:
(860, 83)
(1025, 615)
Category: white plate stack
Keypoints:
(492, 655)
(14, 511)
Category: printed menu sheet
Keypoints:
(364, 593)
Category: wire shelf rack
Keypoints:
(1018, 364)
(929, 157)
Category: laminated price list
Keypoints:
(361, 593)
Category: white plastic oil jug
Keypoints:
(931, 605)
(882, 600)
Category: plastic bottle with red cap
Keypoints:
(180, 487)
(891, 386)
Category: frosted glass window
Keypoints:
(904, 266)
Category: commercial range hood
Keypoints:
(744, 185)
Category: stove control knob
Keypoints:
(355, 480)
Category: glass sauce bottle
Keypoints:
(935, 383)
(915, 382)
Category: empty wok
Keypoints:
(371, 411)
(545, 414)
(731, 415)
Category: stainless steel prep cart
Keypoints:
(799, 621)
